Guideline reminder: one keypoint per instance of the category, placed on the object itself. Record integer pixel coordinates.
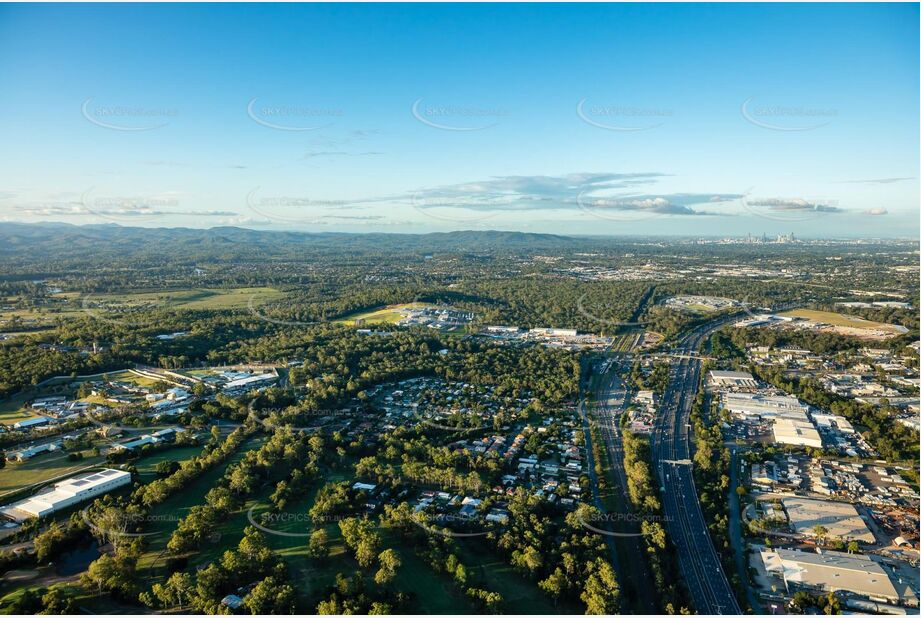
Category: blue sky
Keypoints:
(708, 119)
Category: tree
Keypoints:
(820, 532)
(601, 592)
(801, 600)
(853, 547)
(46, 542)
(167, 467)
(390, 562)
(359, 536)
(330, 607)
(490, 602)
(29, 602)
(116, 573)
(316, 547)
(555, 585)
(110, 526)
(832, 604)
(271, 597)
(177, 591)
(57, 601)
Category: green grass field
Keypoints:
(165, 516)
(391, 314)
(147, 466)
(839, 319)
(12, 410)
(199, 298)
(80, 306)
(41, 468)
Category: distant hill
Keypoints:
(64, 239)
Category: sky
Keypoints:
(684, 119)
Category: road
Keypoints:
(611, 398)
(708, 586)
(736, 537)
(593, 476)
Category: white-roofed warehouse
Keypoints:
(67, 493)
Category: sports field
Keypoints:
(391, 314)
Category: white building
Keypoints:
(840, 519)
(796, 432)
(831, 571)
(67, 493)
(508, 330)
(554, 332)
(833, 421)
(764, 407)
(32, 422)
(733, 378)
(32, 451)
(250, 381)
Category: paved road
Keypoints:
(593, 477)
(707, 583)
(612, 399)
(736, 538)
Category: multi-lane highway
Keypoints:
(611, 401)
(707, 583)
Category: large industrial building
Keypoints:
(789, 416)
(760, 406)
(840, 519)
(67, 493)
(831, 571)
(737, 379)
(796, 432)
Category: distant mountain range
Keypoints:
(64, 238)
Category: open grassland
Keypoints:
(13, 409)
(839, 319)
(195, 299)
(42, 468)
(517, 591)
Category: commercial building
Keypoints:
(796, 432)
(32, 451)
(840, 519)
(738, 379)
(32, 422)
(833, 421)
(67, 493)
(764, 407)
(164, 435)
(250, 381)
(554, 332)
(831, 571)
